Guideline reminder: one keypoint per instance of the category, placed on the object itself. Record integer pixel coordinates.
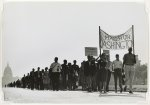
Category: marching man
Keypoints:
(128, 65)
(117, 67)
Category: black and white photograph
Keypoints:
(75, 52)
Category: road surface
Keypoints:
(19, 95)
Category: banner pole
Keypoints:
(133, 38)
(100, 39)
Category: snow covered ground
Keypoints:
(18, 95)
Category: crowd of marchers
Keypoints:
(93, 75)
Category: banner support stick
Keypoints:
(133, 38)
(100, 39)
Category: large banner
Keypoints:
(116, 42)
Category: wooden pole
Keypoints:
(100, 39)
(133, 38)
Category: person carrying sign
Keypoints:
(102, 72)
(128, 65)
(88, 73)
(55, 73)
(93, 73)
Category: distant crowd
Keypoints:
(93, 75)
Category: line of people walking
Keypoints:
(93, 75)
(57, 77)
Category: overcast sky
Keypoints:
(34, 33)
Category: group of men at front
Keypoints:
(100, 70)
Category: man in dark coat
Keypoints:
(70, 76)
(14, 84)
(42, 80)
(88, 72)
(82, 76)
(76, 69)
(38, 78)
(32, 79)
(93, 74)
(23, 81)
(18, 83)
(109, 71)
(28, 81)
(64, 73)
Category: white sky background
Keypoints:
(34, 33)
